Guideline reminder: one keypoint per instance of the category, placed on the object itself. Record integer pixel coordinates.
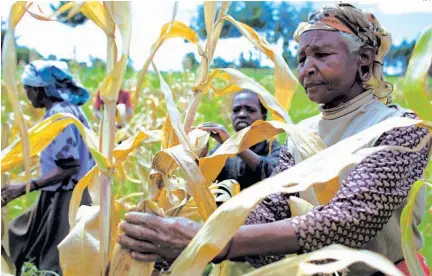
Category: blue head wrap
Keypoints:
(55, 77)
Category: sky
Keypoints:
(404, 20)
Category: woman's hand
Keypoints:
(10, 192)
(152, 239)
(217, 131)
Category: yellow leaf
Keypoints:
(43, 133)
(77, 193)
(298, 206)
(167, 160)
(344, 256)
(121, 262)
(174, 115)
(96, 12)
(120, 154)
(285, 81)
(17, 11)
(9, 65)
(173, 29)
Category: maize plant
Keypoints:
(174, 180)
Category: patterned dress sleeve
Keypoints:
(368, 197)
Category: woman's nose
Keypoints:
(242, 114)
(309, 67)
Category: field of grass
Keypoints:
(211, 108)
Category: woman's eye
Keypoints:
(302, 60)
(321, 55)
(250, 110)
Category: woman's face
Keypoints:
(35, 98)
(326, 69)
(246, 109)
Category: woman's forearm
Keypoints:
(54, 177)
(276, 238)
(251, 159)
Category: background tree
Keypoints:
(74, 21)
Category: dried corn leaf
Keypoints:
(344, 256)
(209, 242)
(78, 191)
(174, 29)
(120, 12)
(17, 12)
(120, 154)
(96, 12)
(213, 33)
(79, 251)
(122, 263)
(167, 160)
(210, 8)
(43, 133)
(169, 137)
(298, 206)
(9, 66)
(174, 115)
(285, 81)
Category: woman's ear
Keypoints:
(366, 60)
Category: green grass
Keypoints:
(216, 109)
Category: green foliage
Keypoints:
(29, 269)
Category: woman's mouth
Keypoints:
(243, 124)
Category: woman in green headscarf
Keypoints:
(340, 57)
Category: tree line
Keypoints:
(276, 21)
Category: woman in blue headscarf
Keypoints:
(34, 236)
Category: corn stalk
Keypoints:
(9, 71)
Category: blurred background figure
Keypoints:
(124, 107)
(35, 234)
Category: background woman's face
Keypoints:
(246, 109)
(34, 96)
(326, 69)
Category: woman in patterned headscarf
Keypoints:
(34, 236)
(340, 56)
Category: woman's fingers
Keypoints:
(209, 124)
(147, 258)
(211, 129)
(136, 245)
(137, 231)
(146, 219)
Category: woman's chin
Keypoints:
(241, 126)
